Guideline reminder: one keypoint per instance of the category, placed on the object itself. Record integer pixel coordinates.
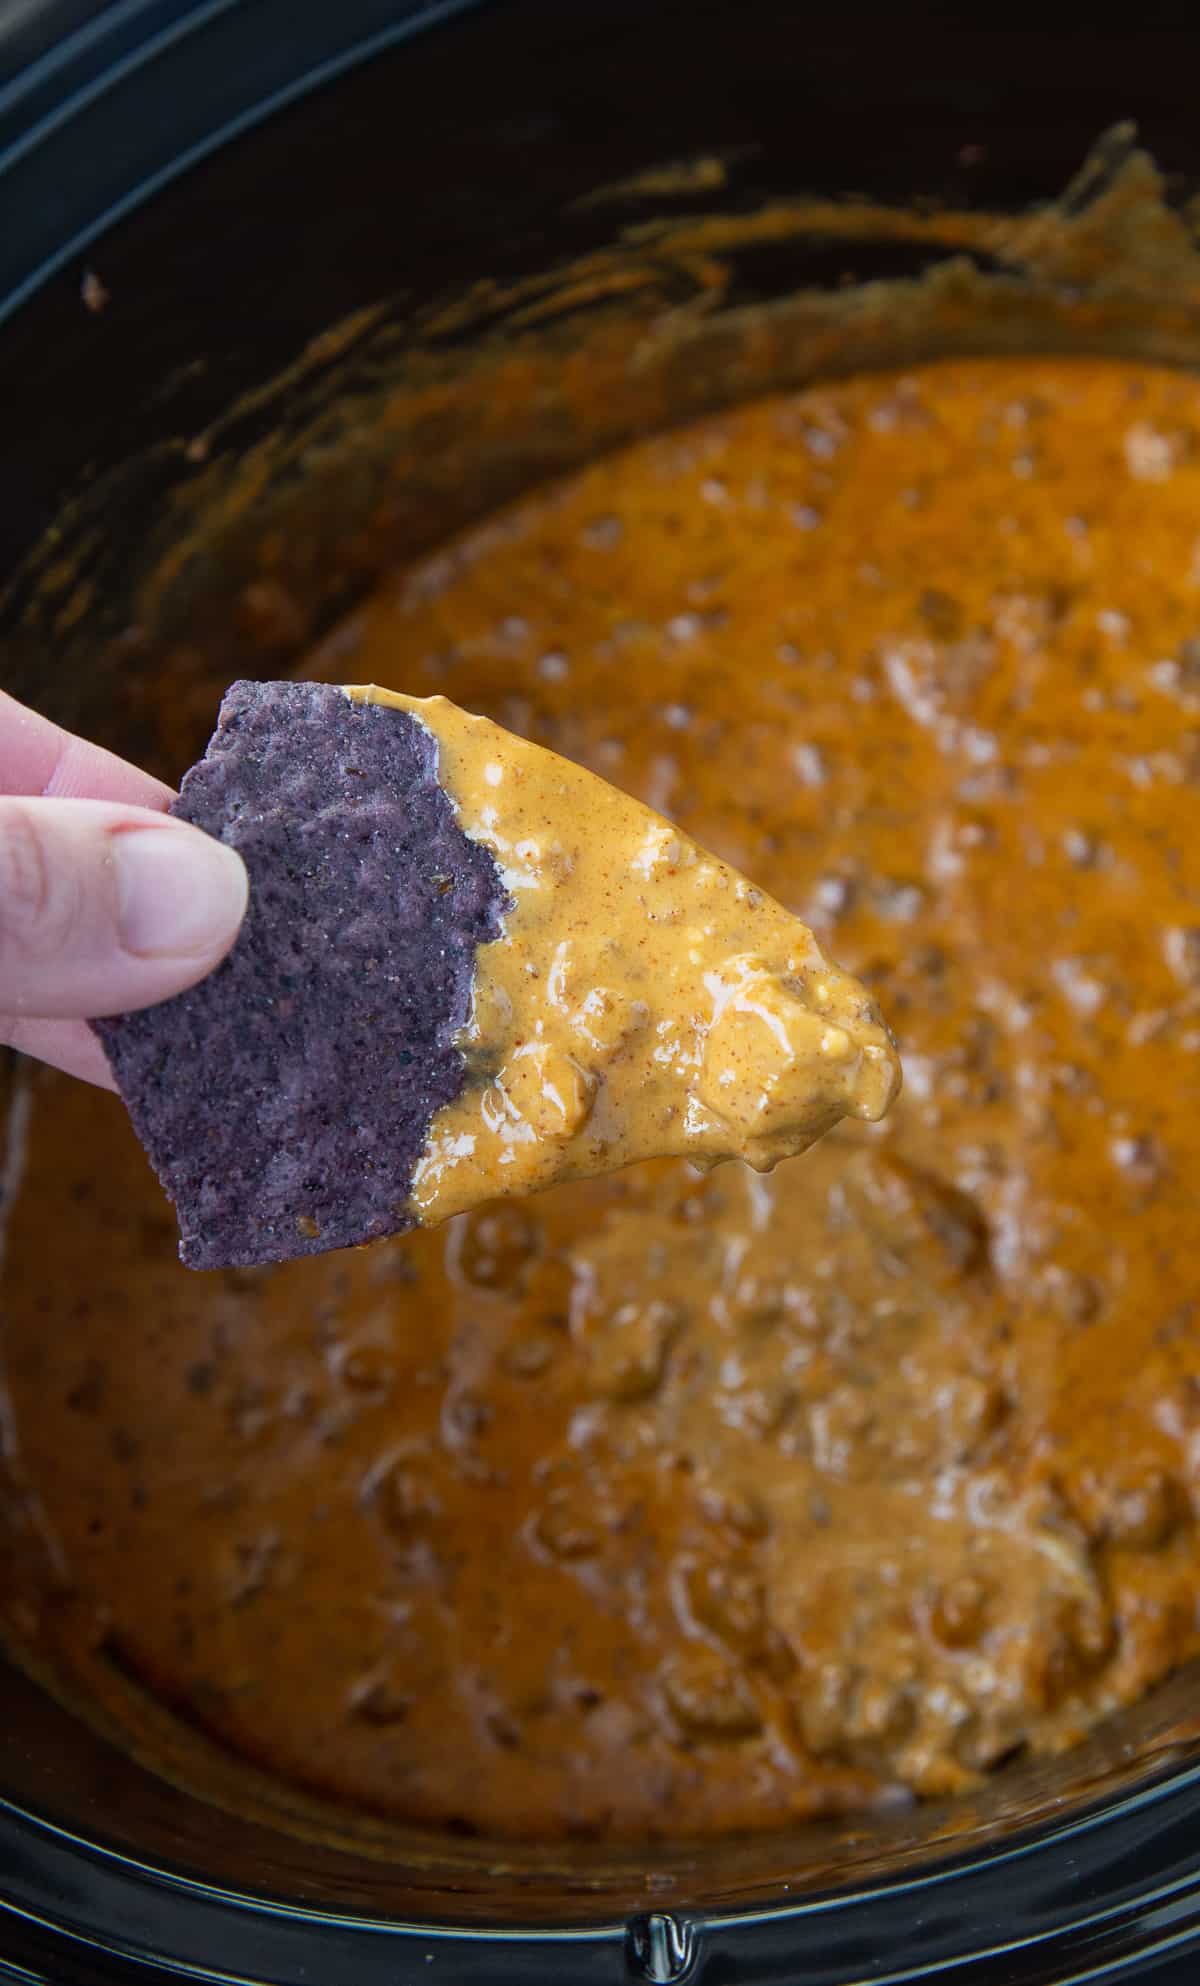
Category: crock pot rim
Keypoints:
(81, 82)
(1075, 1921)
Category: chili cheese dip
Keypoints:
(674, 1502)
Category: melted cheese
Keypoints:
(644, 999)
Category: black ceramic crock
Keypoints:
(191, 191)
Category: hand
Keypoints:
(105, 902)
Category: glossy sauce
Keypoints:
(663, 1503)
(642, 1001)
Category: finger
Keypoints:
(38, 758)
(105, 908)
(67, 1045)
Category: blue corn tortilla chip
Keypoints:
(285, 1100)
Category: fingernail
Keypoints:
(180, 893)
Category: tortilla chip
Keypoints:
(285, 1100)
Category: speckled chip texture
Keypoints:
(285, 1100)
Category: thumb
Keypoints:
(105, 907)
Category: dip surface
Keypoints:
(666, 1503)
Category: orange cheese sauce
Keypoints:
(643, 999)
(667, 1503)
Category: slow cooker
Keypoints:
(230, 227)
